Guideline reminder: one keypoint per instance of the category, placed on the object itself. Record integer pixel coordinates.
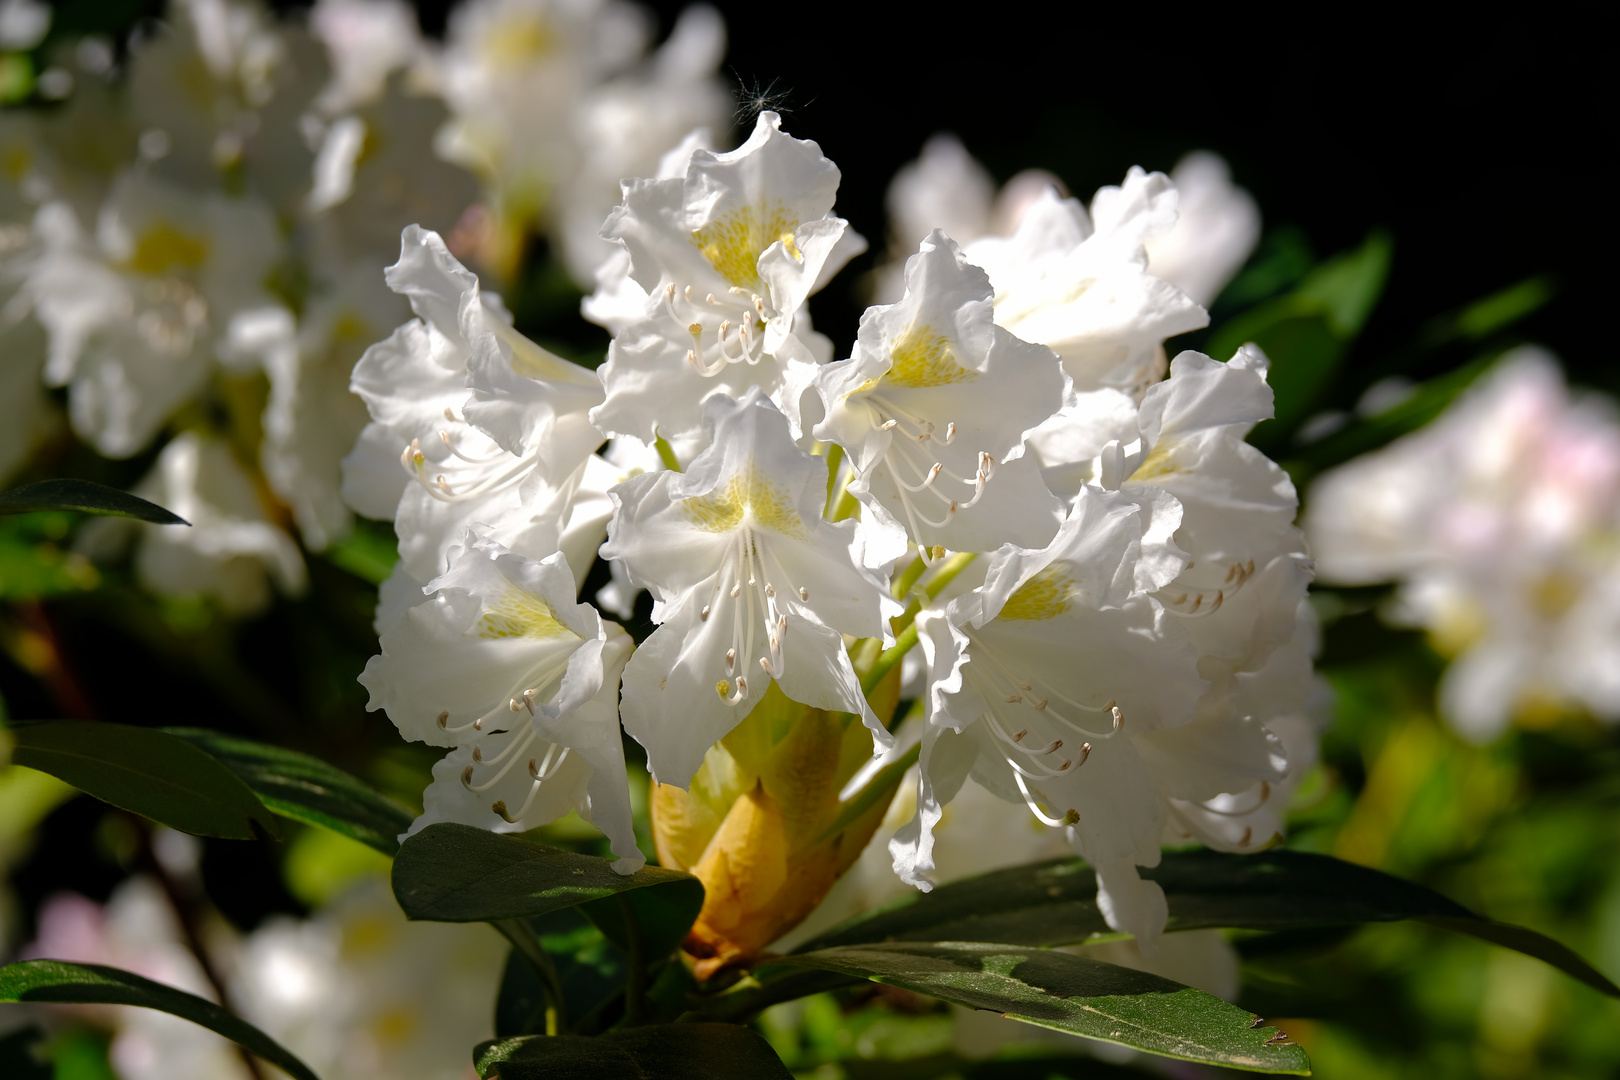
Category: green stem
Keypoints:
(888, 658)
(523, 939)
(903, 583)
(666, 453)
(635, 979)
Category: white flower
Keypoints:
(1498, 520)
(933, 408)
(311, 420)
(1217, 226)
(728, 254)
(1053, 684)
(366, 41)
(625, 126)
(358, 992)
(489, 427)
(134, 314)
(1080, 283)
(230, 552)
(501, 663)
(23, 24)
(750, 585)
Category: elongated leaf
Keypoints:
(456, 873)
(87, 497)
(658, 1052)
(92, 984)
(148, 772)
(307, 789)
(1074, 994)
(662, 916)
(1055, 903)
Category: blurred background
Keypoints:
(1449, 174)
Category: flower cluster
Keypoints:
(1498, 521)
(1103, 575)
(209, 214)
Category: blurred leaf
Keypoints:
(17, 1060)
(701, 1051)
(147, 772)
(30, 568)
(1307, 332)
(1284, 256)
(85, 496)
(92, 984)
(456, 873)
(1055, 903)
(1074, 994)
(307, 789)
(1501, 309)
(321, 865)
(366, 553)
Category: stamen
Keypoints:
(804, 595)
(703, 616)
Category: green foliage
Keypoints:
(369, 552)
(456, 873)
(92, 984)
(700, 1051)
(33, 563)
(86, 497)
(1073, 994)
(306, 789)
(1307, 331)
(147, 772)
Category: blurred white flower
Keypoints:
(366, 41)
(231, 551)
(23, 23)
(1498, 521)
(1217, 227)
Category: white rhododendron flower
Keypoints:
(501, 663)
(366, 41)
(1498, 522)
(1217, 227)
(727, 253)
(751, 585)
(1079, 282)
(471, 421)
(933, 408)
(231, 552)
(135, 311)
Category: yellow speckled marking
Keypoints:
(518, 613)
(748, 494)
(734, 243)
(922, 357)
(163, 248)
(1158, 462)
(1043, 596)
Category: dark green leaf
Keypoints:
(368, 553)
(87, 497)
(1055, 903)
(307, 789)
(664, 916)
(1346, 288)
(590, 969)
(92, 984)
(658, 1052)
(1074, 994)
(456, 873)
(148, 772)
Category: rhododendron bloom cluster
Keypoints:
(1103, 576)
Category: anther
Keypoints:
(1020, 736)
(1039, 706)
(1119, 717)
(478, 754)
(742, 686)
(1057, 744)
(466, 776)
(736, 591)
(888, 424)
(1248, 831)
(703, 615)
(1085, 752)
(478, 724)
(764, 664)
(444, 719)
(1013, 699)
(534, 769)
(513, 704)
(804, 595)
(1065, 766)
(770, 591)
(731, 659)
(528, 700)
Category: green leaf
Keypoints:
(147, 772)
(367, 552)
(307, 789)
(87, 497)
(1307, 332)
(663, 916)
(1055, 903)
(1074, 994)
(92, 984)
(456, 873)
(702, 1051)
